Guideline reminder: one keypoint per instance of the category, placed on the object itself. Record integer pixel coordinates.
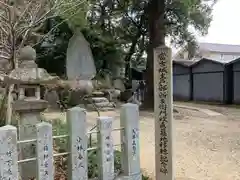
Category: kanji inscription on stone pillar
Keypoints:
(163, 109)
(8, 153)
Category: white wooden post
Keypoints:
(8, 153)
(163, 110)
(129, 120)
(106, 151)
(44, 148)
(78, 169)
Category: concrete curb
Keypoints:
(205, 111)
(186, 107)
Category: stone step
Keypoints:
(103, 108)
(99, 100)
(97, 94)
(100, 106)
(101, 103)
(107, 109)
(104, 104)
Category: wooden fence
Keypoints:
(78, 151)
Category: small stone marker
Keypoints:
(45, 167)
(129, 120)
(163, 109)
(8, 153)
(78, 169)
(106, 151)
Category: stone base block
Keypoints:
(29, 105)
(132, 177)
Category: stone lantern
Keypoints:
(29, 105)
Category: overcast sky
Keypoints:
(225, 27)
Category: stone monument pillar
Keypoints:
(163, 109)
(28, 78)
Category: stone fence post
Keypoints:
(78, 166)
(45, 161)
(106, 151)
(129, 120)
(8, 153)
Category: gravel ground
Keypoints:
(206, 147)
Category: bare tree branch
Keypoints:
(4, 4)
(4, 57)
(46, 35)
(20, 20)
(23, 13)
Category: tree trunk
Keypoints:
(142, 49)
(3, 108)
(128, 57)
(156, 11)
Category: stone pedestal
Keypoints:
(163, 110)
(29, 111)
